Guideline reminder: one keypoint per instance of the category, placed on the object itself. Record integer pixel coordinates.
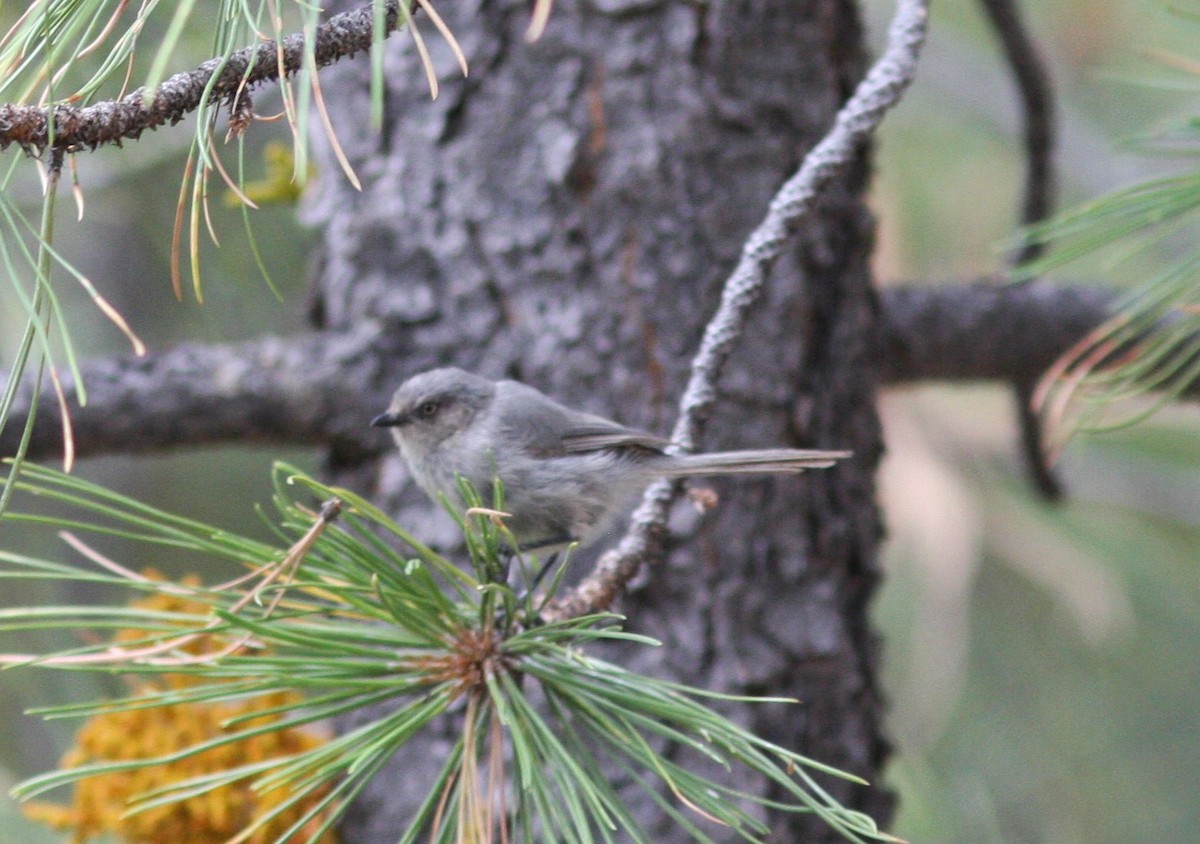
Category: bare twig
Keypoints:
(855, 122)
(1037, 107)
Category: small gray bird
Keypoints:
(566, 474)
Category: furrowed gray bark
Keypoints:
(565, 216)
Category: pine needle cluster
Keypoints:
(350, 613)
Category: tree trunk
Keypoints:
(566, 216)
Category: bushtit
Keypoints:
(566, 474)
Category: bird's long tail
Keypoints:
(767, 460)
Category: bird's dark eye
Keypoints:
(426, 410)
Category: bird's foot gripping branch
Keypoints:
(334, 619)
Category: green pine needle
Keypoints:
(1150, 345)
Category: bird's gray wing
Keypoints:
(596, 437)
(547, 428)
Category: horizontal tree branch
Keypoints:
(78, 128)
(301, 390)
(323, 388)
(983, 331)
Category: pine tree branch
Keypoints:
(323, 388)
(301, 390)
(79, 128)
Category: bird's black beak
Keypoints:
(389, 420)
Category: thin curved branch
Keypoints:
(76, 129)
(856, 121)
(1037, 107)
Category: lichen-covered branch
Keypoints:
(72, 129)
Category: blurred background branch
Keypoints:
(983, 331)
(1035, 91)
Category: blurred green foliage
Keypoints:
(1041, 661)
